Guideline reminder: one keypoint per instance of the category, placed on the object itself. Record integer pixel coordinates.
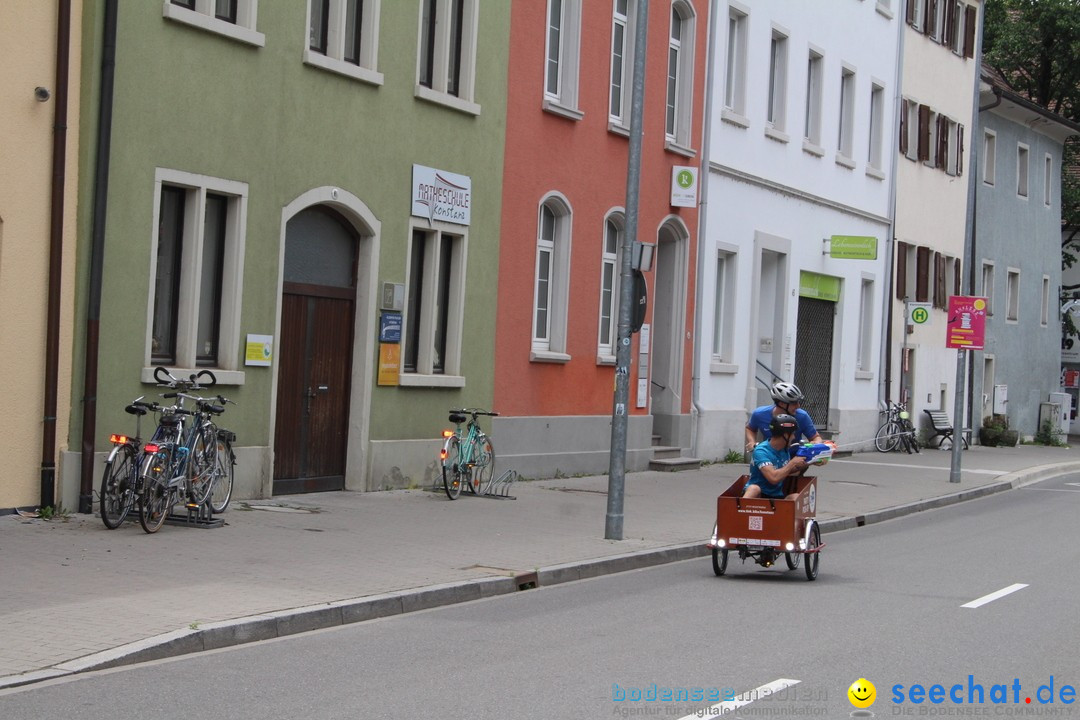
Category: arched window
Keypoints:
(550, 295)
(610, 268)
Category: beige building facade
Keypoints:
(29, 102)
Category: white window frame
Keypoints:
(333, 60)
(549, 343)
(622, 59)
(988, 286)
(776, 100)
(1044, 312)
(1048, 180)
(563, 98)
(439, 93)
(228, 371)
(1012, 295)
(865, 347)
(724, 304)
(815, 82)
(875, 151)
(989, 157)
(203, 17)
(677, 138)
(436, 233)
(912, 128)
(1023, 170)
(952, 149)
(734, 107)
(605, 346)
(845, 131)
(959, 21)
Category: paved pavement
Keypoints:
(75, 596)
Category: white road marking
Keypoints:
(845, 461)
(1076, 484)
(746, 698)
(995, 595)
(1054, 489)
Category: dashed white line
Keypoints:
(979, 602)
(746, 698)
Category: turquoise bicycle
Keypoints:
(468, 458)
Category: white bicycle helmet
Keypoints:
(785, 392)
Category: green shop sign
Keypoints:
(853, 247)
(819, 287)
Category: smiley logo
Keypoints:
(862, 693)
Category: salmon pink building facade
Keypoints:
(563, 221)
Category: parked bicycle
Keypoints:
(468, 458)
(897, 432)
(181, 462)
(121, 482)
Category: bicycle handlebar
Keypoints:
(166, 378)
(475, 411)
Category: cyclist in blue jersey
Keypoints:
(772, 462)
(787, 400)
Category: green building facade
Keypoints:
(304, 198)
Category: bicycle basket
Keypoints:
(457, 418)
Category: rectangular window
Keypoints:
(989, 157)
(1048, 181)
(777, 79)
(911, 126)
(563, 38)
(680, 79)
(1044, 312)
(988, 287)
(724, 309)
(343, 38)
(198, 259)
(674, 74)
(735, 78)
(814, 64)
(446, 61)
(877, 119)
(846, 130)
(432, 339)
(554, 47)
(916, 13)
(232, 18)
(1022, 170)
(621, 64)
(864, 359)
(1012, 295)
(609, 290)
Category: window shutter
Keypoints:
(910, 15)
(924, 133)
(948, 38)
(939, 280)
(956, 277)
(901, 270)
(926, 20)
(903, 127)
(969, 31)
(922, 274)
(959, 149)
(942, 142)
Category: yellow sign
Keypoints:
(259, 350)
(389, 363)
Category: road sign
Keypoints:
(965, 328)
(919, 313)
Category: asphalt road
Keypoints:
(888, 606)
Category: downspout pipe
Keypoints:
(56, 255)
(702, 240)
(97, 253)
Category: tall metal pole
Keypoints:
(613, 524)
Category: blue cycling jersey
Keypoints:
(762, 416)
(766, 454)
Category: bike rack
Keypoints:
(200, 517)
(500, 487)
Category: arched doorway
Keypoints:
(315, 350)
(668, 321)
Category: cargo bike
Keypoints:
(764, 528)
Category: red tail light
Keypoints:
(442, 454)
(150, 448)
(118, 439)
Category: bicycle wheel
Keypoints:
(483, 471)
(221, 492)
(202, 466)
(156, 499)
(452, 474)
(118, 486)
(888, 436)
(913, 439)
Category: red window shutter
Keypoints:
(903, 127)
(901, 270)
(969, 31)
(922, 274)
(924, 133)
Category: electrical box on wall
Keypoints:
(393, 296)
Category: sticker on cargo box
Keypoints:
(755, 522)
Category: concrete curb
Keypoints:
(282, 623)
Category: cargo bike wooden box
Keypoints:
(764, 528)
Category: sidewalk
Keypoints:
(75, 596)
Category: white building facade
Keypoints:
(796, 229)
(932, 185)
